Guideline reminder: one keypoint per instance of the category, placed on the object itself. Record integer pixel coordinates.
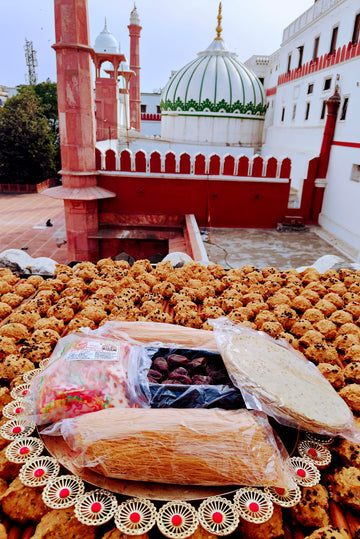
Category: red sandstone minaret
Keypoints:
(79, 188)
(135, 100)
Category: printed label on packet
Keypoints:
(93, 351)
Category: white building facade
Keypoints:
(320, 51)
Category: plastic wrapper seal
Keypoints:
(87, 373)
(277, 380)
(187, 447)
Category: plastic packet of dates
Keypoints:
(189, 378)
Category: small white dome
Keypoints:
(106, 42)
(134, 16)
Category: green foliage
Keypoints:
(27, 141)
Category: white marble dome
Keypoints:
(106, 42)
(214, 82)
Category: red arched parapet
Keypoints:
(200, 164)
(229, 165)
(110, 160)
(185, 163)
(125, 161)
(337, 60)
(353, 51)
(343, 53)
(214, 165)
(285, 168)
(155, 162)
(98, 159)
(271, 167)
(321, 62)
(140, 161)
(257, 166)
(170, 163)
(243, 166)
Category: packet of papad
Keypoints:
(276, 379)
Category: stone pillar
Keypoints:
(134, 94)
(333, 104)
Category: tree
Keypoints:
(47, 94)
(27, 142)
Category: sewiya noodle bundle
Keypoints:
(181, 446)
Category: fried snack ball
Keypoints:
(49, 293)
(228, 304)
(290, 339)
(52, 284)
(347, 451)
(274, 329)
(339, 288)
(35, 351)
(301, 304)
(96, 284)
(317, 287)
(211, 302)
(311, 337)
(354, 309)
(14, 365)
(286, 316)
(278, 299)
(211, 312)
(328, 532)
(309, 275)
(351, 395)
(270, 270)
(5, 287)
(38, 304)
(344, 342)
(50, 323)
(49, 336)
(166, 289)
(24, 290)
(5, 310)
(352, 372)
(312, 315)
(80, 322)
(148, 306)
(22, 503)
(8, 276)
(93, 313)
(312, 510)
(247, 298)
(256, 307)
(311, 295)
(15, 331)
(5, 397)
(301, 327)
(349, 328)
(7, 346)
(8, 470)
(62, 312)
(216, 270)
(188, 318)
(327, 328)
(344, 486)
(322, 353)
(35, 280)
(242, 314)
(336, 299)
(11, 299)
(341, 317)
(28, 318)
(264, 316)
(352, 353)
(267, 530)
(159, 316)
(333, 373)
(326, 307)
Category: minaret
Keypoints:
(135, 100)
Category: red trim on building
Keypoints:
(153, 117)
(344, 53)
(271, 91)
(346, 144)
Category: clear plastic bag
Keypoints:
(87, 373)
(277, 380)
(194, 446)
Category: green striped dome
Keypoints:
(214, 82)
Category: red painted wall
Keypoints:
(226, 203)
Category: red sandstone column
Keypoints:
(333, 104)
(134, 94)
(76, 124)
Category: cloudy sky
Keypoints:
(174, 31)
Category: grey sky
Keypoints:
(174, 31)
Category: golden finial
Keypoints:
(218, 28)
